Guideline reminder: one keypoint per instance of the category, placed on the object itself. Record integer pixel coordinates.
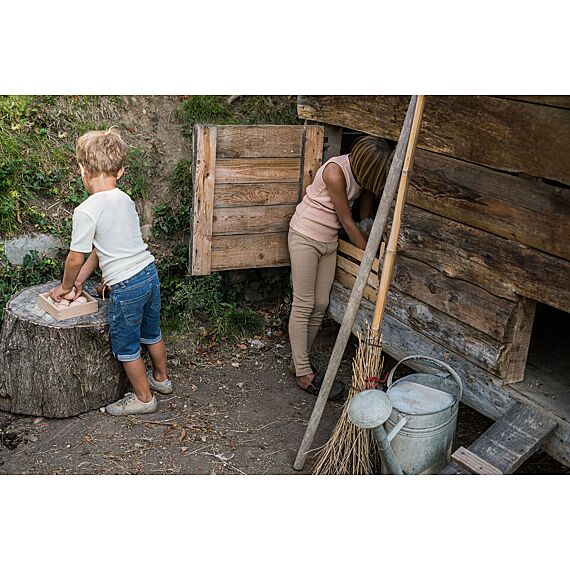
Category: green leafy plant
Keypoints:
(34, 271)
(135, 180)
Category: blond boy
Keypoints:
(106, 226)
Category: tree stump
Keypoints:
(56, 368)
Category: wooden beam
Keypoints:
(489, 131)
(312, 154)
(496, 264)
(203, 202)
(510, 441)
(464, 301)
(260, 141)
(525, 210)
(474, 463)
(250, 250)
(256, 219)
(255, 170)
(333, 142)
(266, 194)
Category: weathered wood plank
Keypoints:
(483, 130)
(352, 268)
(268, 194)
(345, 247)
(525, 210)
(250, 250)
(464, 301)
(260, 141)
(332, 142)
(562, 101)
(257, 219)
(496, 264)
(474, 463)
(514, 438)
(254, 170)
(482, 350)
(312, 155)
(519, 333)
(203, 201)
(482, 390)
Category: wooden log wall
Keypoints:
(484, 232)
(247, 183)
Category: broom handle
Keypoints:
(362, 275)
(390, 255)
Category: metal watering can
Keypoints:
(420, 414)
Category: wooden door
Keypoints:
(247, 183)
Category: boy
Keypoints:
(106, 226)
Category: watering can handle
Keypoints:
(439, 363)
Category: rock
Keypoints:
(256, 344)
(146, 231)
(45, 244)
(235, 364)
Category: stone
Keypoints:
(18, 247)
(146, 231)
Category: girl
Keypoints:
(313, 240)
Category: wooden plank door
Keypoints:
(247, 183)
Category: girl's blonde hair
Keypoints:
(369, 159)
(101, 152)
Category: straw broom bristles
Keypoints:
(351, 450)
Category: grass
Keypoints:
(37, 156)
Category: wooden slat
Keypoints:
(498, 265)
(562, 101)
(312, 154)
(203, 202)
(332, 142)
(482, 350)
(528, 211)
(464, 301)
(481, 390)
(474, 463)
(249, 251)
(508, 135)
(513, 439)
(519, 333)
(254, 220)
(254, 170)
(352, 268)
(260, 141)
(267, 194)
(355, 252)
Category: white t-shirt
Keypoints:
(108, 221)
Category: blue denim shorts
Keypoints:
(134, 314)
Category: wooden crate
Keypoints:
(62, 313)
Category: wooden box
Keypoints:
(67, 312)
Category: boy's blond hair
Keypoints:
(101, 152)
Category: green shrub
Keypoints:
(34, 271)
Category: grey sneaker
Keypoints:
(160, 387)
(130, 404)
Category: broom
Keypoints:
(350, 450)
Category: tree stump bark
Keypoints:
(55, 368)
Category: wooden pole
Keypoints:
(390, 254)
(359, 285)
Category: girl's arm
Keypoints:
(336, 185)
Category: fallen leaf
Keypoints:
(182, 435)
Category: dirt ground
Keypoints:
(234, 410)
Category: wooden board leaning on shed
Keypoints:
(247, 183)
(513, 136)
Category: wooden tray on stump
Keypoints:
(61, 313)
(56, 368)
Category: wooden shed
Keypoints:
(483, 272)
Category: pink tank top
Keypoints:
(315, 216)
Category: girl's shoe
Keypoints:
(160, 387)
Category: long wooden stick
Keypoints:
(390, 254)
(359, 285)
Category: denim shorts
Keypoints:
(134, 314)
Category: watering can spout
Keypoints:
(369, 409)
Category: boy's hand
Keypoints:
(57, 293)
(78, 286)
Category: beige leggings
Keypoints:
(313, 265)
